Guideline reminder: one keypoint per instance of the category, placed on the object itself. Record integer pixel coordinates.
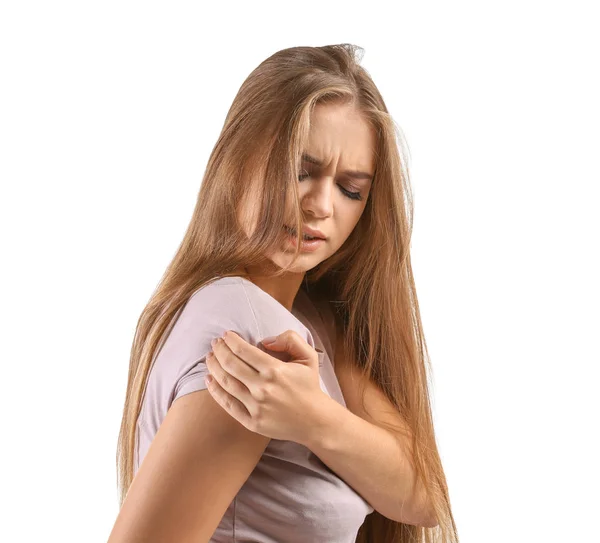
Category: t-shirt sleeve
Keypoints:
(193, 379)
(207, 315)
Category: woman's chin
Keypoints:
(305, 261)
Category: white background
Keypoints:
(108, 114)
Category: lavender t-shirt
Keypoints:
(291, 495)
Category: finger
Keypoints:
(232, 405)
(232, 363)
(255, 358)
(226, 380)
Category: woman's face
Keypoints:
(336, 170)
(334, 182)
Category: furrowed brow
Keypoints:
(350, 173)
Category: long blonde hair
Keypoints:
(368, 281)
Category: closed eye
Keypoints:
(347, 193)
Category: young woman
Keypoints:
(301, 439)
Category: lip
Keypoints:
(306, 246)
(311, 232)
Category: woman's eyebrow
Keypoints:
(350, 173)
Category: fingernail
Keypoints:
(270, 339)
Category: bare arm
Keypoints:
(372, 459)
(196, 464)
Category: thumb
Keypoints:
(270, 341)
(290, 342)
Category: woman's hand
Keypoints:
(273, 398)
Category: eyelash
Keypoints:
(348, 193)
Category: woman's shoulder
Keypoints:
(237, 302)
(215, 288)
